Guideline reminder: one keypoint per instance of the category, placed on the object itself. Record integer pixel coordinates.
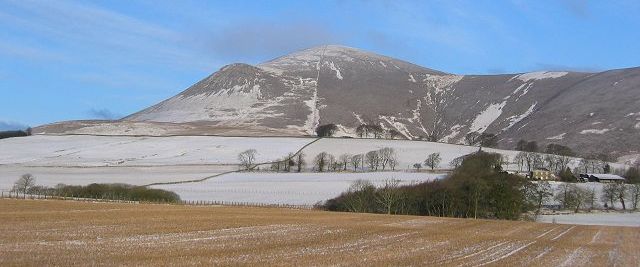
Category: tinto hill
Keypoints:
(293, 94)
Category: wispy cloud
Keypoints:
(79, 28)
(264, 39)
(579, 8)
(103, 113)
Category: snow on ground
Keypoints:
(51, 176)
(517, 118)
(41, 150)
(557, 137)
(594, 131)
(596, 218)
(540, 75)
(486, 117)
(334, 68)
(285, 188)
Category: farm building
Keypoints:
(542, 174)
(601, 178)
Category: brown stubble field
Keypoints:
(50, 232)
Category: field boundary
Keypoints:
(19, 196)
(236, 171)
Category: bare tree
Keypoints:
(621, 194)
(247, 158)
(565, 196)
(433, 160)
(417, 166)
(24, 183)
(332, 163)
(635, 195)
(586, 164)
(456, 162)
(581, 197)
(520, 160)
(360, 196)
(373, 160)
(321, 161)
(388, 195)
(393, 162)
(356, 161)
(539, 193)
(393, 133)
(609, 193)
(550, 162)
(344, 161)
(300, 162)
(563, 162)
(386, 155)
(289, 162)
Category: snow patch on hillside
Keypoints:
(455, 130)
(441, 83)
(313, 119)
(411, 78)
(539, 75)
(557, 137)
(239, 102)
(334, 68)
(637, 126)
(401, 127)
(486, 117)
(513, 120)
(594, 131)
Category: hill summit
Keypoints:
(295, 93)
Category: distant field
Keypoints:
(51, 176)
(285, 188)
(87, 151)
(36, 232)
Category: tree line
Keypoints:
(476, 189)
(362, 131)
(26, 184)
(19, 133)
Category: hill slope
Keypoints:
(295, 93)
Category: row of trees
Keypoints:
(576, 198)
(433, 160)
(26, 184)
(476, 189)
(381, 159)
(481, 139)
(19, 133)
(363, 131)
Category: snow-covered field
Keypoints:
(598, 218)
(284, 188)
(408, 152)
(143, 160)
(42, 150)
(51, 176)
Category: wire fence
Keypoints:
(18, 195)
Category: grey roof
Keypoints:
(606, 176)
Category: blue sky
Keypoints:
(66, 60)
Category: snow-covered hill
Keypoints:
(293, 94)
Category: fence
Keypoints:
(17, 195)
